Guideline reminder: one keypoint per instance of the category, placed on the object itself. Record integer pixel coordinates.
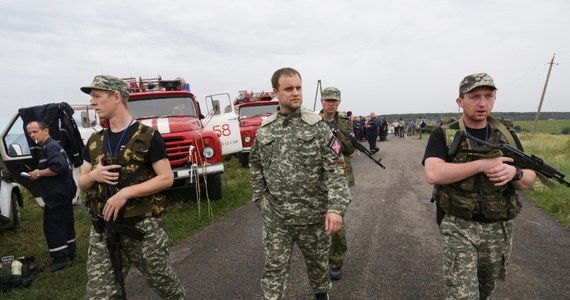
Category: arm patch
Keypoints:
(334, 145)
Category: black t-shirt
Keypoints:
(156, 152)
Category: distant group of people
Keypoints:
(475, 194)
(372, 128)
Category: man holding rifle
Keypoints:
(125, 167)
(330, 101)
(475, 193)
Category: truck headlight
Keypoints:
(247, 139)
(208, 152)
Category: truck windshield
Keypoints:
(257, 110)
(162, 107)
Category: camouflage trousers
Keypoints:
(150, 256)
(475, 256)
(338, 249)
(278, 242)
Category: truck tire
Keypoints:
(15, 214)
(244, 159)
(214, 187)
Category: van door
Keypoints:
(223, 119)
(15, 155)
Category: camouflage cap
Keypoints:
(476, 80)
(331, 93)
(108, 83)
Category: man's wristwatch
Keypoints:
(518, 175)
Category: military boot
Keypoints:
(321, 296)
(58, 264)
(335, 273)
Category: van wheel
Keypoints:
(244, 159)
(15, 215)
(214, 187)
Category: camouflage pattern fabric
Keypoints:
(150, 256)
(108, 83)
(278, 241)
(475, 256)
(331, 93)
(294, 170)
(470, 82)
(347, 148)
(339, 247)
(296, 179)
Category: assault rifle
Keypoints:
(521, 159)
(114, 230)
(355, 143)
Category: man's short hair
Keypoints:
(41, 124)
(282, 72)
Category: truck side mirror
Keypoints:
(85, 119)
(15, 150)
(216, 107)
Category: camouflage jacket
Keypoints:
(296, 175)
(347, 148)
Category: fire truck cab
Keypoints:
(194, 152)
(252, 108)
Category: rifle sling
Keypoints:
(129, 231)
(123, 229)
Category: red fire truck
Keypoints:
(195, 153)
(252, 108)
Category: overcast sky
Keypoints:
(385, 56)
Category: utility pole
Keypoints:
(542, 97)
(319, 89)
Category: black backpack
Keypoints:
(17, 272)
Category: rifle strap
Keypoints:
(504, 130)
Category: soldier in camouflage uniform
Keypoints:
(330, 102)
(476, 193)
(124, 169)
(300, 187)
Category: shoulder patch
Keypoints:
(334, 145)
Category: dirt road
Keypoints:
(394, 250)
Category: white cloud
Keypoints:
(385, 56)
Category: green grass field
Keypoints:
(549, 127)
(554, 150)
